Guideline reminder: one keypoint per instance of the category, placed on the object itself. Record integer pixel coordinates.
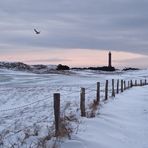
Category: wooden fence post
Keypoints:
(121, 85)
(82, 102)
(117, 86)
(113, 89)
(124, 85)
(106, 90)
(140, 82)
(145, 82)
(135, 82)
(131, 83)
(98, 93)
(128, 84)
(57, 113)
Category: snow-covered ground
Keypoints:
(121, 123)
(26, 107)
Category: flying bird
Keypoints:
(37, 32)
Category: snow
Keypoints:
(26, 107)
(122, 122)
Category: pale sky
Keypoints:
(77, 33)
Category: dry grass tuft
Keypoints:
(92, 109)
(66, 128)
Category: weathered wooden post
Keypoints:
(113, 89)
(135, 82)
(128, 84)
(82, 102)
(57, 113)
(140, 82)
(117, 86)
(124, 85)
(121, 85)
(131, 83)
(106, 90)
(98, 93)
(145, 82)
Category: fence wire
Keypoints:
(89, 88)
(23, 106)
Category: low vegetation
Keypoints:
(130, 68)
(62, 67)
(103, 68)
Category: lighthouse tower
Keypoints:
(109, 59)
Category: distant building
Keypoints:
(109, 59)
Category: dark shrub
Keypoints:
(104, 68)
(130, 68)
(62, 67)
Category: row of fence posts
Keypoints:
(119, 88)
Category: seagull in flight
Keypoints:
(37, 32)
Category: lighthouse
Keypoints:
(109, 59)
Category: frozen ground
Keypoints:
(26, 104)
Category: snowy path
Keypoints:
(122, 123)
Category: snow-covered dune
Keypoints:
(19, 66)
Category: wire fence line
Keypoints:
(23, 106)
(45, 99)
(109, 91)
(105, 91)
(89, 90)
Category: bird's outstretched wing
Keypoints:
(37, 32)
